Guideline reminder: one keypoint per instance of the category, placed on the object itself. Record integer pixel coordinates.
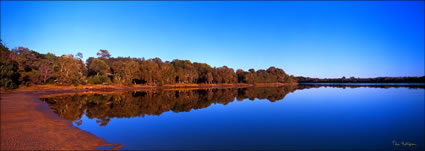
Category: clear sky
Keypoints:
(316, 39)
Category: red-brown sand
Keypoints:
(28, 124)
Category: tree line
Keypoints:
(24, 67)
(362, 80)
(303, 86)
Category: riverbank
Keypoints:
(124, 87)
(28, 124)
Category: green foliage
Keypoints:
(103, 54)
(150, 71)
(99, 79)
(8, 75)
(8, 70)
(125, 71)
(271, 75)
(22, 66)
(185, 71)
(30, 78)
(98, 66)
(68, 70)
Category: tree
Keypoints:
(103, 54)
(98, 67)
(150, 72)
(98, 71)
(185, 71)
(125, 72)
(46, 67)
(45, 72)
(209, 77)
(168, 73)
(8, 70)
(28, 62)
(23, 66)
(250, 76)
(204, 72)
(8, 75)
(68, 70)
(241, 76)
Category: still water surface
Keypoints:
(294, 118)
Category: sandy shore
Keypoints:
(142, 87)
(28, 124)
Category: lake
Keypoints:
(309, 116)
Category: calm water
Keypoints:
(294, 118)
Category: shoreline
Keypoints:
(137, 87)
(29, 124)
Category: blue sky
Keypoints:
(316, 39)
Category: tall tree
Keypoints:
(8, 70)
(68, 70)
(98, 67)
(103, 54)
(125, 72)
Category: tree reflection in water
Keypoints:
(106, 105)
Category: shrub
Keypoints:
(99, 79)
(8, 75)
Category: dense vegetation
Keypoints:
(24, 67)
(105, 106)
(363, 80)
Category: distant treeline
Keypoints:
(363, 80)
(24, 67)
(303, 86)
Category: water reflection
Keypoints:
(316, 116)
(362, 85)
(106, 105)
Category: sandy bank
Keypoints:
(134, 87)
(28, 124)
